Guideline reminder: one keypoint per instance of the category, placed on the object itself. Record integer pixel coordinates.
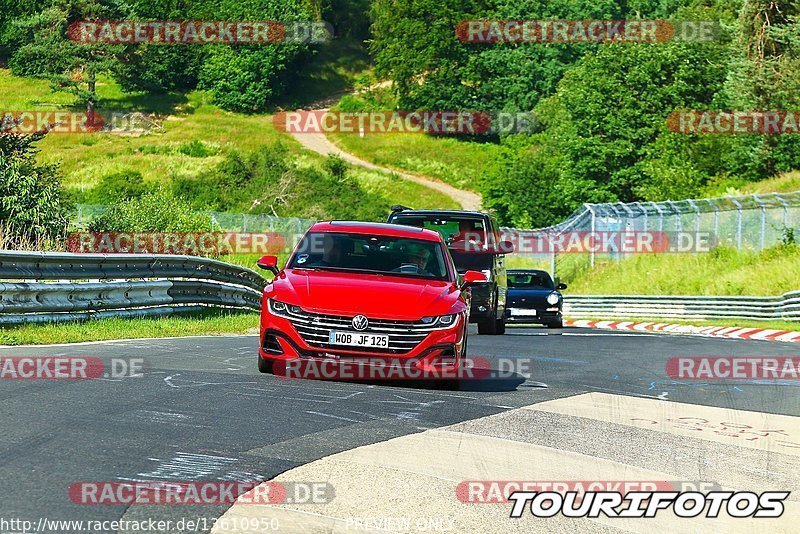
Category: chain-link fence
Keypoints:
(753, 222)
(220, 221)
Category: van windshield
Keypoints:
(461, 233)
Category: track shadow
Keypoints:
(474, 379)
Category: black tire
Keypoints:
(487, 327)
(500, 328)
(264, 366)
(556, 324)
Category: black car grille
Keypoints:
(314, 328)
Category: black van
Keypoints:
(473, 239)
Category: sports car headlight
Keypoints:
(488, 274)
(552, 298)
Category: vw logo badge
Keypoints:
(360, 322)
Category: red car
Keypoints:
(368, 293)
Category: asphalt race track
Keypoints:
(201, 411)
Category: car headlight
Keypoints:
(446, 320)
(488, 274)
(282, 309)
(552, 298)
(443, 321)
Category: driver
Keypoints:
(331, 253)
(416, 261)
(468, 238)
(420, 258)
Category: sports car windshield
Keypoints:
(371, 253)
(530, 281)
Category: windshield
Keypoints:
(465, 234)
(533, 280)
(371, 253)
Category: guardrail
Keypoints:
(785, 307)
(49, 287)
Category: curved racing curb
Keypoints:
(730, 332)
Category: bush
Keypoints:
(117, 187)
(33, 208)
(157, 211)
(198, 149)
(268, 181)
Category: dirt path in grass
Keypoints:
(320, 144)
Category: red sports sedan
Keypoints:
(381, 297)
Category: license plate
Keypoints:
(519, 312)
(356, 339)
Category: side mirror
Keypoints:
(268, 263)
(561, 286)
(506, 247)
(474, 277)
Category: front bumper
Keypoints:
(440, 351)
(482, 303)
(522, 315)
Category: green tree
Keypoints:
(42, 47)
(32, 205)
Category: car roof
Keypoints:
(527, 271)
(443, 213)
(384, 229)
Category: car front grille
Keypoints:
(314, 328)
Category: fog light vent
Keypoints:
(271, 344)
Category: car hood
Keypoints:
(376, 296)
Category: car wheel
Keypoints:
(556, 324)
(264, 366)
(500, 327)
(487, 327)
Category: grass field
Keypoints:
(723, 271)
(784, 183)
(184, 122)
(212, 322)
(454, 161)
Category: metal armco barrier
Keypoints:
(47, 286)
(785, 307)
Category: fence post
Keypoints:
(696, 221)
(738, 223)
(594, 226)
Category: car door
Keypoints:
(499, 266)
